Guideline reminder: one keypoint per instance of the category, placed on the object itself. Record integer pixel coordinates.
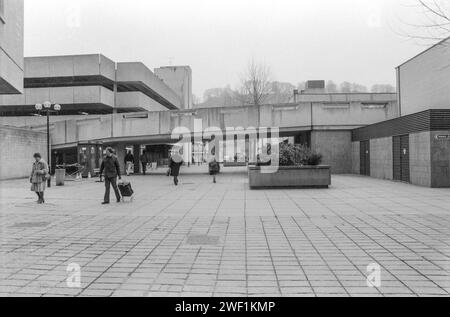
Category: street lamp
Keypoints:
(47, 108)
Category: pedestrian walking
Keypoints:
(129, 162)
(175, 163)
(214, 169)
(110, 165)
(39, 177)
(144, 161)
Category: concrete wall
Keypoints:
(70, 66)
(336, 148)
(347, 97)
(429, 158)
(179, 79)
(381, 159)
(440, 158)
(352, 114)
(18, 147)
(11, 47)
(62, 95)
(424, 81)
(292, 117)
(100, 73)
(137, 72)
(356, 163)
(137, 100)
(419, 158)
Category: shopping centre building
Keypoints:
(403, 136)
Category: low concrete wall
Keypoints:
(18, 147)
(336, 149)
(381, 158)
(305, 176)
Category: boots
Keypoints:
(41, 198)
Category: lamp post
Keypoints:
(48, 109)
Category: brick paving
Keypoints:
(204, 239)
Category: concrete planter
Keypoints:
(291, 177)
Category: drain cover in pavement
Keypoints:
(30, 225)
(203, 240)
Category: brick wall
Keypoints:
(17, 149)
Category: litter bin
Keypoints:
(60, 175)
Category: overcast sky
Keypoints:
(353, 40)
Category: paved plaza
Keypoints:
(205, 239)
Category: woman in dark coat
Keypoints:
(174, 165)
(214, 169)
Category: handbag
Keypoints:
(46, 176)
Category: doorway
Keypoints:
(365, 158)
(401, 158)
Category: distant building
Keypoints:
(314, 86)
(179, 79)
(11, 46)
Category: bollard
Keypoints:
(60, 175)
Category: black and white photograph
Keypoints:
(224, 155)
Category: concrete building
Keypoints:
(89, 84)
(325, 126)
(11, 46)
(415, 147)
(314, 86)
(179, 79)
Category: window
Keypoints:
(2, 11)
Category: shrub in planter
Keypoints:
(298, 155)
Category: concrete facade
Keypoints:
(179, 79)
(11, 46)
(21, 144)
(336, 149)
(424, 81)
(429, 158)
(161, 124)
(331, 125)
(381, 159)
(89, 84)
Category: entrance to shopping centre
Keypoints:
(365, 158)
(401, 158)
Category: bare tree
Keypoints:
(256, 85)
(434, 25)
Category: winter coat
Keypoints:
(174, 168)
